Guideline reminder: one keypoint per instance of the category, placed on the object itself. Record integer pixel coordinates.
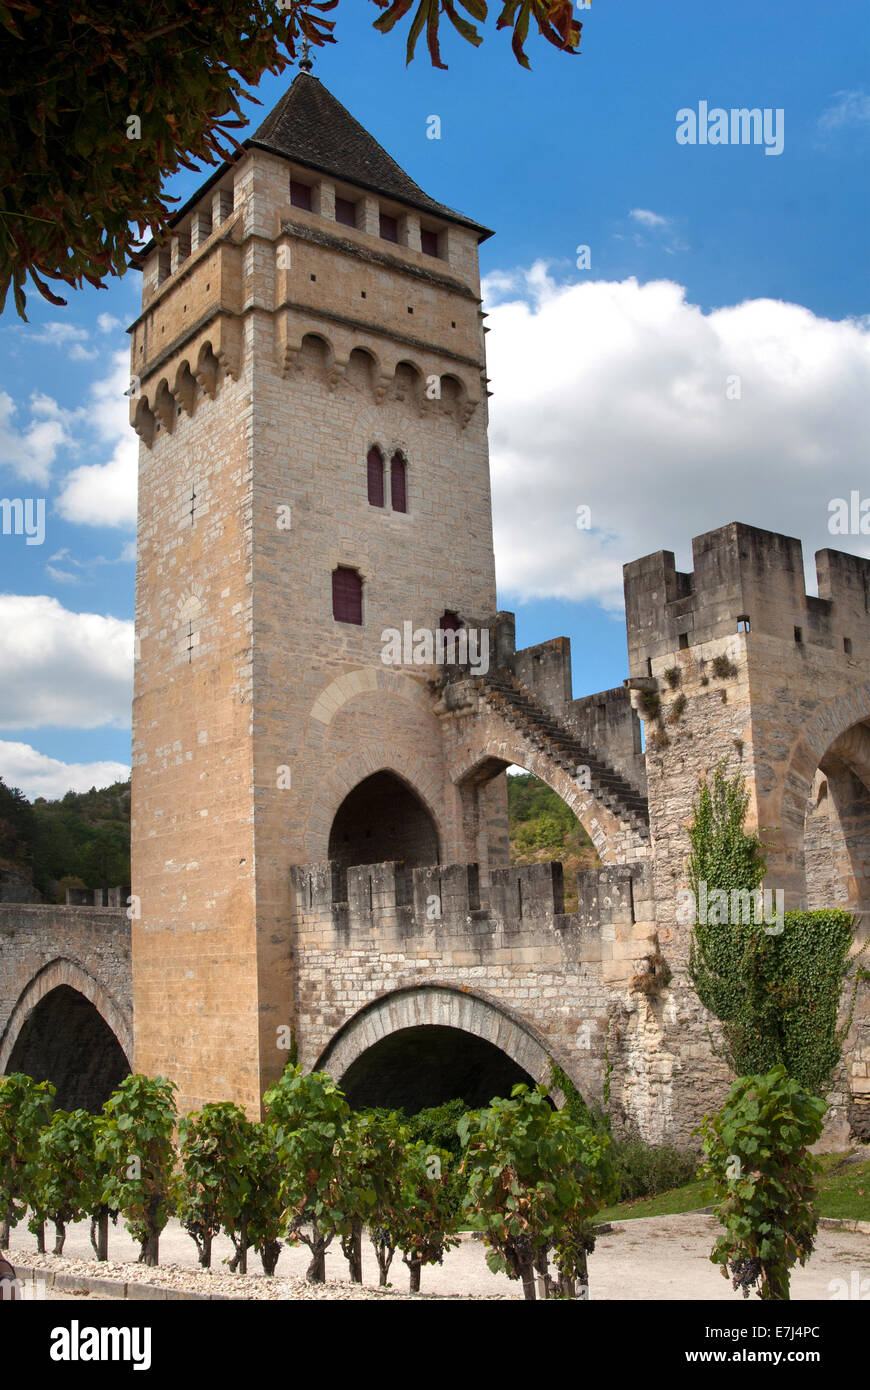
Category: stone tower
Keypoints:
(309, 389)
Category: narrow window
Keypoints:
(429, 241)
(300, 195)
(376, 477)
(345, 212)
(398, 487)
(389, 227)
(743, 624)
(346, 596)
(684, 641)
(847, 645)
(798, 634)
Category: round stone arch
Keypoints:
(828, 725)
(486, 753)
(340, 779)
(63, 972)
(442, 1007)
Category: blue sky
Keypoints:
(706, 261)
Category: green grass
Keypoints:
(844, 1191)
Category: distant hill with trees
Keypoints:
(543, 827)
(81, 840)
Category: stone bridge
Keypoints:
(66, 1011)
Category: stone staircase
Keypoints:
(506, 696)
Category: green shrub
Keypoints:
(758, 1155)
(645, 1170)
(135, 1144)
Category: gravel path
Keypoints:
(649, 1259)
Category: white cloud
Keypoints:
(30, 451)
(614, 395)
(107, 323)
(38, 775)
(649, 219)
(104, 494)
(65, 335)
(62, 668)
(848, 108)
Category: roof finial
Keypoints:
(305, 63)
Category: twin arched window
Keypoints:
(398, 480)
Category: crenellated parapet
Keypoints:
(745, 580)
(441, 907)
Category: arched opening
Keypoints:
(542, 827)
(417, 1068)
(837, 867)
(360, 370)
(837, 827)
(383, 820)
(65, 1040)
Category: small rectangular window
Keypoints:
(300, 195)
(429, 241)
(847, 645)
(389, 227)
(798, 634)
(743, 624)
(345, 212)
(684, 641)
(346, 596)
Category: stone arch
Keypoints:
(342, 776)
(408, 382)
(485, 753)
(63, 988)
(350, 773)
(454, 396)
(368, 679)
(825, 808)
(207, 368)
(382, 819)
(401, 1019)
(316, 353)
(185, 387)
(164, 406)
(362, 369)
(144, 422)
(827, 727)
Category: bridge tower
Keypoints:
(309, 390)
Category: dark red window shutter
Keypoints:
(300, 195)
(449, 622)
(429, 241)
(346, 596)
(345, 212)
(376, 477)
(398, 488)
(389, 227)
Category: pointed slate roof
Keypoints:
(311, 127)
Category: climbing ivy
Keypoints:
(775, 988)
